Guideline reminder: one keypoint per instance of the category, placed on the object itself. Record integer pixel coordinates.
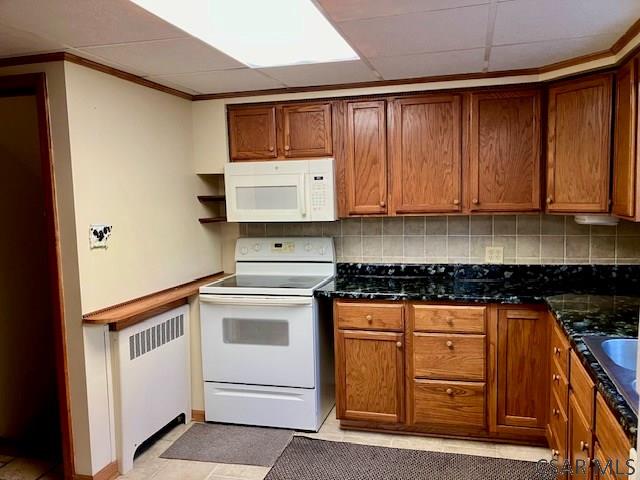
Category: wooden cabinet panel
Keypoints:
(583, 388)
(578, 145)
(580, 441)
(449, 356)
(625, 167)
(560, 348)
(366, 159)
(559, 383)
(448, 318)
(369, 376)
(369, 315)
(615, 445)
(558, 423)
(252, 133)
(601, 469)
(307, 130)
(519, 338)
(426, 154)
(504, 151)
(451, 404)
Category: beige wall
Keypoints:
(28, 403)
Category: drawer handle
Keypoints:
(556, 412)
(449, 392)
(555, 453)
(271, 149)
(556, 350)
(549, 200)
(449, 321)
(456, 202)
(369, 318)
(475, 201)
(584, 446)
(399, 344)
(383, 203)
(555, 378)
(449, 344)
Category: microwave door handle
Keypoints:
(256, 302)
(302, 197)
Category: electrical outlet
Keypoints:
(98, 235)
(494, 255)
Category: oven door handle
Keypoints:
(256, 301)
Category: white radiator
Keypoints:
(151, 379)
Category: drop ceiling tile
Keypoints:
(221, 81)
(79, 23)
(429, 64)
(341, 10)
(180, 55)
(322, 73)
(538, 54)
(457, 29)
(524, 21)
(16, 42)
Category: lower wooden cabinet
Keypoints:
(438, 403)
(580, 441)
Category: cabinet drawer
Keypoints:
(612, 439)
(453, 319)
(580, 441)
(449, 356)
(559, 384)
(459, 404)
(560, 349)
(559, 422)
(583, 388)
(369, 316)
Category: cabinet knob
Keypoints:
(286, 147)
(555, 412)
(456, 202)
(549, 200)
(399, 344)
(555, 377)
(449, 321)
(382, 203)
(449, 391)
(449, 344)
(584, 446)
(556, 350)
(369, 318)
(475, 201)
(555, 453)
(271, 149)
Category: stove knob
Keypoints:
(322, 251)
(244, 250)
(308, 247)
(257, 247)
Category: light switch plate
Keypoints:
(494, 255)
(98, 235)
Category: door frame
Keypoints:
(36, 84)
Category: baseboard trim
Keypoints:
(197, 415)
(107, 473)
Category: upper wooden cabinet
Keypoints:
(504, 151)
(519, 382)
(252, 133)
(578, 145)
(625, 161)
(307, 130)
(366, 158)
(425, 144)
(277, 131)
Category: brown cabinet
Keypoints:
(614, 444)
(520, 386)
(277, 131)
(449, 405)
(625, 157)
(449, 356)
(369, 315)
(425, 145)
(252, 133)
(366, 158)
(578, 145)
(580, 441)
(504, 151)
(307, 130)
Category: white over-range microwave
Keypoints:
(281, 191)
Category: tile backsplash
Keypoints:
(548, 239)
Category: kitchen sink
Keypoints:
(618, 357)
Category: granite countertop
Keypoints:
(585, 299)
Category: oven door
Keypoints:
(269, 197)
(258, 340)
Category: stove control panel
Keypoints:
(285, 249)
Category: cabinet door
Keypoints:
(625, 170)
(578, 145)
(504, 168)
(252, 133)
(366, 169)
(369, 376)
(580, 441)
(307, 130)
(519, 337)
(426, 154)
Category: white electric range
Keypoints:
(267, 344)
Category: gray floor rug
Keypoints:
(217, 443)
(309, 459)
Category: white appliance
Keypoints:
(285, 191)
(152, 380)
(267, 343)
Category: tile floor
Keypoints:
(148, 465)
